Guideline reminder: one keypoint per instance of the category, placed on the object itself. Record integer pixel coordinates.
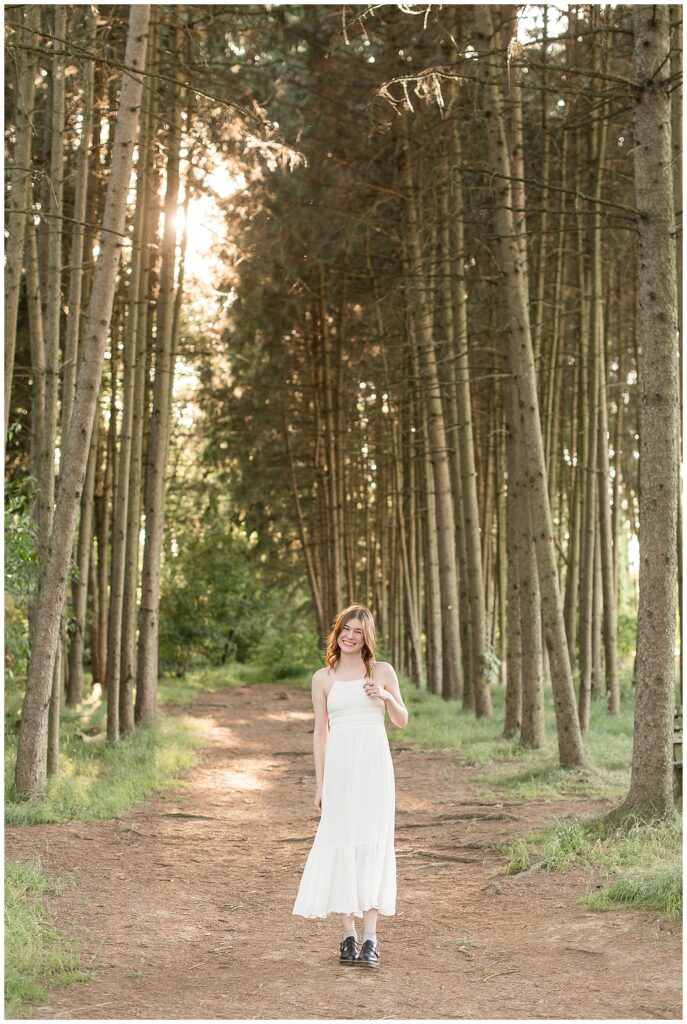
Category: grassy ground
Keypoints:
(36, 955)
(642, 860)
(97, 780)
(509, 770)
(182, 690)
(513, 771)
(435, 723)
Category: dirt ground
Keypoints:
(183, 906)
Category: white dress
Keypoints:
(351, 866)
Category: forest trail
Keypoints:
(184, 905)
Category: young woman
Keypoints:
(351, 867)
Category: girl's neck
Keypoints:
(349, 663)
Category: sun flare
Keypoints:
(206, 225)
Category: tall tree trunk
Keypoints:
(151, 198)
(76, 270)
(427, 536)
(121, 490)
(502, 546)
(597, 613)
(329, 371)
(413, 631)
(300, 520)
(452, 676)
(465, 437)
(449, 317)
(514, 269)
(553, 393)
(610, 611)
(52, 335)
(525, 704)
(677, 98)
(80, 584)
(37, 461)
(21, 188)
(513, 712)
(618, 445)
(587, 470)
(31, 764)
(540, 283)
(651, 785)
(576, 510)
(147, 666)
(53, 752)
(105, 483)
(76, 279)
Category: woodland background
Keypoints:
(371, 304)
(314, 304)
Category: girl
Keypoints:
(351, 867)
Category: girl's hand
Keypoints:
(375, 690)
(318, 799)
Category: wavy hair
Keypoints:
(354, 611)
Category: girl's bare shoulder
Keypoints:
(383, 670)
(320, 676)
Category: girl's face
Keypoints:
(351, 638)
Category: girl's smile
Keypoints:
(351, 636)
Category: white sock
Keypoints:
(370, 935)
(347, 933)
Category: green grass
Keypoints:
(513, 771)
(181, 690)
(101, 780)
(95, 780)
(439, 724)
(37, 957)
(658, 888)
(642, 859)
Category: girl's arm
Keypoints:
(385, 687)
(320, 734)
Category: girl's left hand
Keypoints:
(375, 690)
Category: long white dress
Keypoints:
(351, 866)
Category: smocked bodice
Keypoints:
(349, 706)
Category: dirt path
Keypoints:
(186, 902)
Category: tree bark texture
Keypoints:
(651, 785)
(452, 675)
(21, 189)
(32, 753)
(514, 270)
(158, 443)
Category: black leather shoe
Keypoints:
(349, 951)
(369, 954)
